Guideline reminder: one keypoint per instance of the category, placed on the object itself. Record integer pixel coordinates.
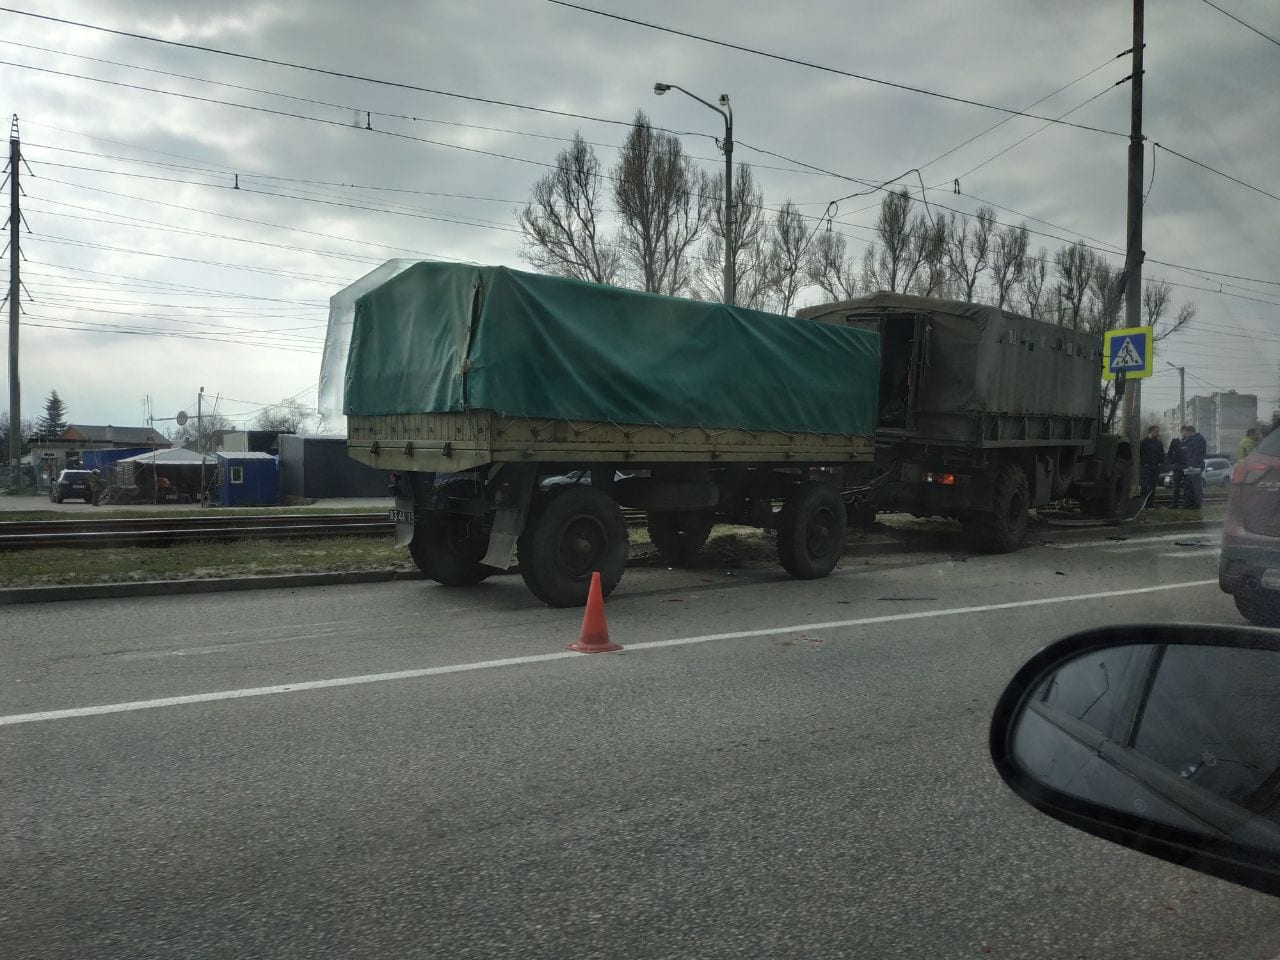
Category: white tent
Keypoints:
(175, 457)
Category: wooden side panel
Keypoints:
(456, 441)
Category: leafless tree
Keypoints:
(1008, 261)
(929, 255)
(1032, 285)
(892, 263)
(1156, 296)
(747, 242)
(202, 434)
(662, 203)
(287, 416)
(1105, 296)
(828, 267)
(785, 255)
(969, 251)
(562, 223)
(1074, 265)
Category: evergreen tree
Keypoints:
(53, 424)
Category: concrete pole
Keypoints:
(15, 285)
(1133, 252)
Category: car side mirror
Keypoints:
(1164, 739)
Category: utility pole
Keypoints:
(15, 284)
(200, 437)
(1133, 250)
(730, 268)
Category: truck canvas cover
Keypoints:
(982, 361)
(443, 338)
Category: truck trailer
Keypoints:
(517, 413)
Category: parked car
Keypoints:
(1217, 473)
(72, 485)
(1249, 567)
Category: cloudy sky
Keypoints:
(149, 273)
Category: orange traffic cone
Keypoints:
(595, 630)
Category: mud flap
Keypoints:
(404, 529)
(514, 486)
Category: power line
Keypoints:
(824, 68)
(1227, 176)
(314, 69)
(1247, 26)
(117, 279)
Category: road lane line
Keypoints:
(1193, 552)
(135, 705)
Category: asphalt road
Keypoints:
(737, 782)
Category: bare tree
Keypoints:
(969, 251)
(561, 224)
(1074, 265)
(1008, 261)
(287, 416)
(1105, 296)
(829, 268)
(893, 262)
(753, 286)
(1032, 285)
(662, 202)
(929, 255)
(202, 434)
(785, 255)
(1156, 296)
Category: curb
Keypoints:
(153, 588)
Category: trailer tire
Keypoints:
(444, 548)
(1004, 527)
(1109, 505)
(811, 531)
(678, 535)
(572, 533)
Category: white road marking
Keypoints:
(1193, 552)
(135, 705)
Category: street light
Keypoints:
(730, 281)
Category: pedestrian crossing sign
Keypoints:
(1129, 351)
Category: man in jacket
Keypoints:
(1150, 456)
(1175, 471)
(1194, 450)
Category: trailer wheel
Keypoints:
(679, 534)
(1004, 527)
(444, 545)
(575, 531)
(811, 531)
(1111, 503)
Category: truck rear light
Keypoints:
(1246, 472)
(946, 479)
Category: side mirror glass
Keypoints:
(1164, 739)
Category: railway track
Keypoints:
(164, 531)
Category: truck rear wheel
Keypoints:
(679, 534)
(811, 531)
(1004, 527)
(445, 545)
(574, 532)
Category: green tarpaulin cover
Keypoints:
(440, 338)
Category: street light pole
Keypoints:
(730, 267)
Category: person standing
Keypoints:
(1194, 450)
(1175, 471)
(1247, 444)
(1150, 456)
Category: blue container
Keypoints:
(247, 480)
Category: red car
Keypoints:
(1249, 568)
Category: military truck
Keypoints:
(982, 415)
(517, 413)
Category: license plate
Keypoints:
(398, 515)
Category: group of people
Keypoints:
(1185, 455)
